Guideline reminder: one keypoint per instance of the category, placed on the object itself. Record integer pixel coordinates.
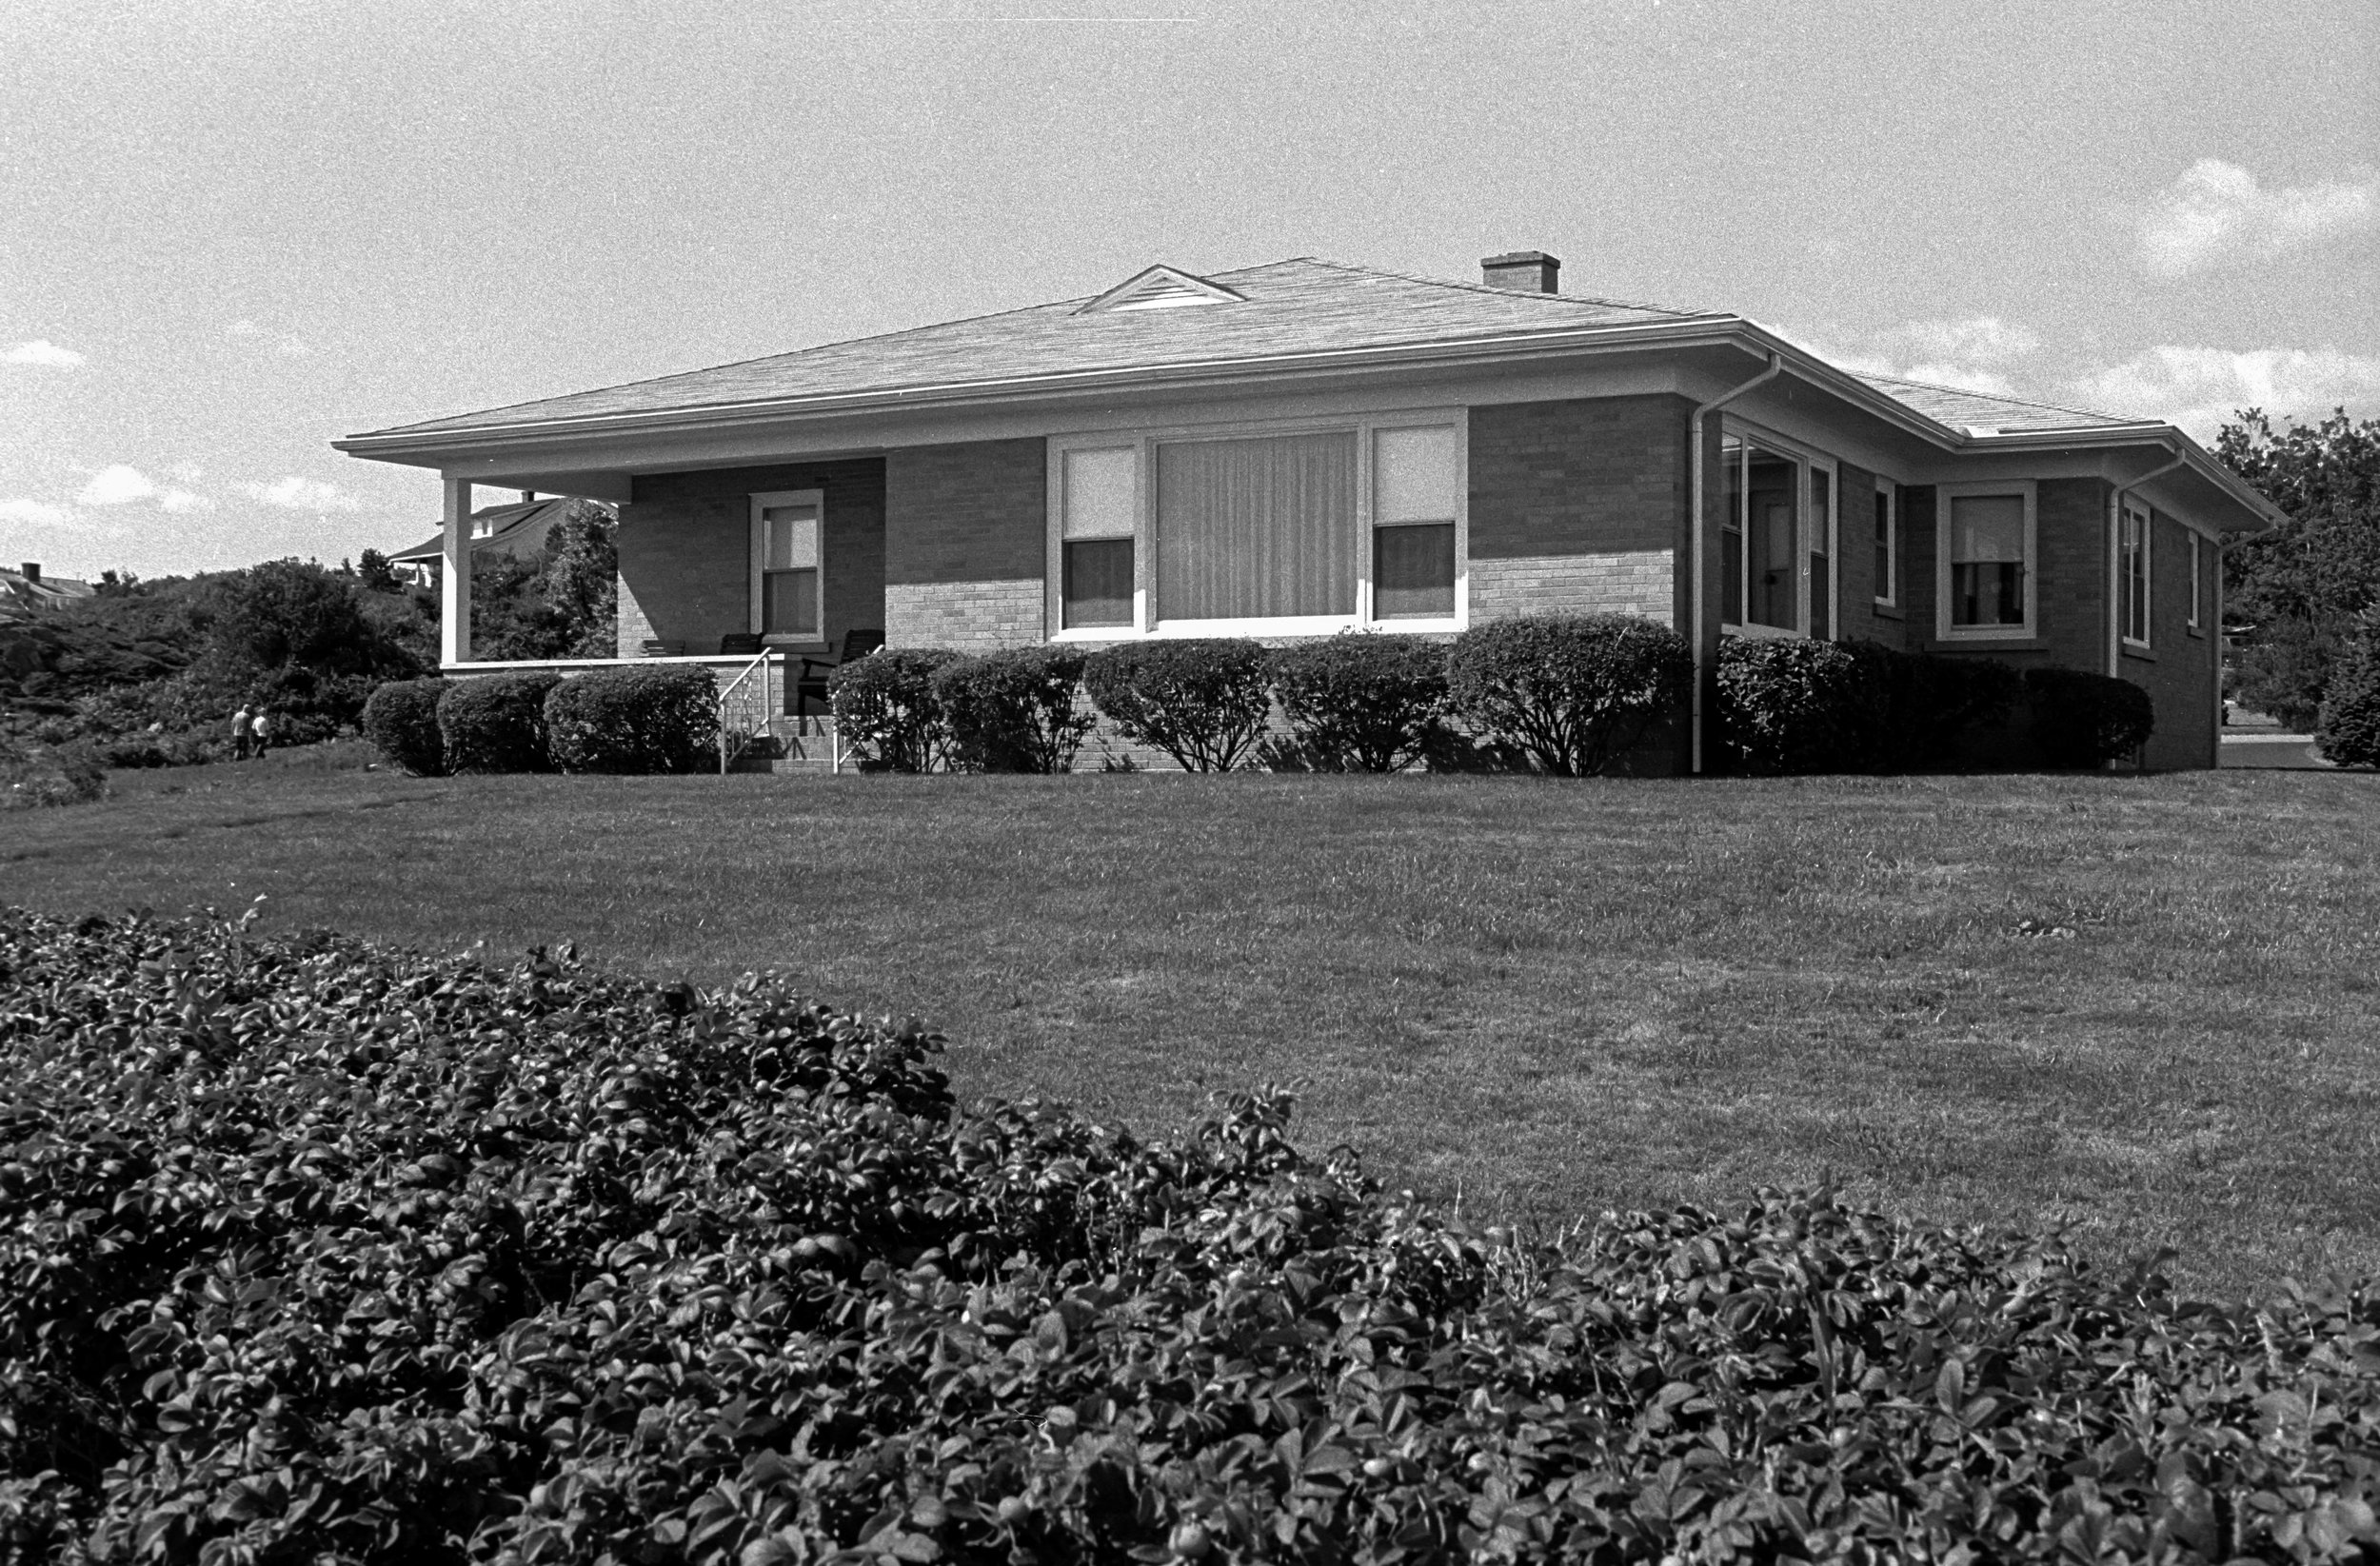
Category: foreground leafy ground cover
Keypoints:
(313, 1252)
(2143, 1006)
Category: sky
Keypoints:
(232, 232)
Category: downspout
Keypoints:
(2116, 562)
(1694, 507)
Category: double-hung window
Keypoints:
(1101, 507)
(789, 566)
(1415, 472)
(2197, 582)
(1985, 547)
(1888, 563)
(2132, 561)
(1290, 528)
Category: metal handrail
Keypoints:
(734, 739)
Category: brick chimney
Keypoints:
(1523, 272)
(32, 570)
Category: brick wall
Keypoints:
(1641, 582)
(965, 544)
(2178, 667)
(685, 551)
(1578, 505)
(1861, 618)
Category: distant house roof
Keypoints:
(25, 594)
(508, 529)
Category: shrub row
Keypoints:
(628, 720)
(1564, 694)
(312, 1250)
(1793, 705)
(2349, 726)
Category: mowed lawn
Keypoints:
(2144, 1007)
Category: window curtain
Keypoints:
(1248, 529)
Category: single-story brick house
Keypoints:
(1306, 447)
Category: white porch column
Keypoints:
(454, 638)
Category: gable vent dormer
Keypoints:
(1160, 289)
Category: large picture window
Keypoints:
(1284, 529)
(2132, 561)
(788, 566)
(1987, 550)
(1257, 529)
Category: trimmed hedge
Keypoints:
(401, 718)
(634, 721)
(1796, 706)
(2086, 720)
(885, 709)
(316, 1251)
(1014, 711)
(1371, 703)
(1936, 700)
(2349, 733)
(1202, 700)
(1571, 692)
(495, 724)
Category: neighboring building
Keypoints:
(518, 529)
(1306, 447)
(26, 591)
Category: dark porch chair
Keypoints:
(811, 684)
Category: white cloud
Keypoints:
(2200, 388)
(116, 485)
(241, 328)
(187, 472)
(179, 501)
(292, 348)
(295, 494)
(46, 354)
(34, 513)
(2215, 212)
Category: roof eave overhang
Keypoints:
(434, 447)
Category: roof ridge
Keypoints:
(1492, 290)
(1997, 397)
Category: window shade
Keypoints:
(1413, 475)
(1257, 528)
(1099, 497)
(1987, 528)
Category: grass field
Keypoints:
(2145, 1007)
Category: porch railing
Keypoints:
(743, 709)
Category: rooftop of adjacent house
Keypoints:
(28, 587)
(1153, 321)
(493, 525)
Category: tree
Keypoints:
(559, 605)
(2302, 585)
(373, 570)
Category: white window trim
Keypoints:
(1806, 458)
(2148, 579)
(1943, 495)
(760, 502)
(1145, 442)
(2197, 581)
(1890, 597)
